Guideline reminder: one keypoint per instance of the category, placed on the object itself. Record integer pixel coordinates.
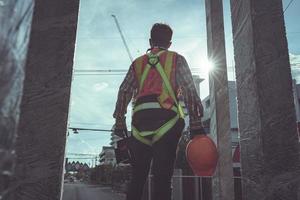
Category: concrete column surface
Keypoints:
(219, 101)
(15, 22)
(44, 109)
(266, 111)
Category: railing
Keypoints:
(192, 188)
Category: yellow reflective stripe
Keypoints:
(168, 70)
(165, 128)
(146, 133)
(166, 82)
(144, 76)
(160, 52)
(169, 88)
(136, 134)
(150, 105)
(169, 64)
(180, 110)
(157, 133)
(138, 67)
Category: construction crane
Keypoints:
(122, 36)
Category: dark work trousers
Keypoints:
(162, 154)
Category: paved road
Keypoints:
(79, 191)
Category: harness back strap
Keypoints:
(168, 70)
(150, 105)
(169, 88)
(139, 63)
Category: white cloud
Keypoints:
(295, 66)
(295, 60)
(100, 86)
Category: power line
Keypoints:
(288, 6)
(88, 129)
(111, 70)
(89, 123)
(100, 70)
(107, 71)
(294, 32)
(118, 72)
(81, 154)
(89, 139)
(101, 74)
(140, 37)
(122, 70)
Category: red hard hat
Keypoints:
(202, 155)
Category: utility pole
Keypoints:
(223, 188)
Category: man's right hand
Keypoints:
(119, 128)
(121, 132)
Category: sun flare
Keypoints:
(206, 65)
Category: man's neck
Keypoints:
(159, 47)
(156, 48)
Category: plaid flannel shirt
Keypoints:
(184, 80)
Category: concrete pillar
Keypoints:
(219, 100)
(15, 23)
(45, 102)
(266, 111)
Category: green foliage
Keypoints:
(111, 175)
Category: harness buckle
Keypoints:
(153, 60)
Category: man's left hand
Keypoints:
(196, 132)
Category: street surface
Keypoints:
(79, 191)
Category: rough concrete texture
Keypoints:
(267, 122)
(15, 22)
(219, 100)
(42, 130)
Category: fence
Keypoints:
(191, 187)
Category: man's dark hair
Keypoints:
(161, 34)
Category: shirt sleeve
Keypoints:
(125, 95)
(191, 99)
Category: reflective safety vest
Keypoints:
(155, 78)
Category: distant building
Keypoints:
(233, 119)
(296, 92)
(114, 138)
(107, 156)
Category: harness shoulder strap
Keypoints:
(138, 63)
(147, 68)
(169, 88)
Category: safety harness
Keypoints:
(153, 61)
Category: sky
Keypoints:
(99, 47)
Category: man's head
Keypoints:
(161, 35)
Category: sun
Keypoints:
(206, 65)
